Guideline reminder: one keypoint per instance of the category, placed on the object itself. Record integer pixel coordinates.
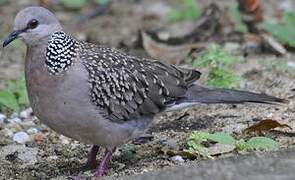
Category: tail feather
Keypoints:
(201, 94)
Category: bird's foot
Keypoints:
(91, 160)
(101, 170)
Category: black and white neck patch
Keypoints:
(61, 52)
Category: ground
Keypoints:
(50, 155)
(272, 166)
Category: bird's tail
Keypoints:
(199, 94)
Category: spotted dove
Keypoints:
(102, 96)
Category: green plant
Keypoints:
(256, 143)
(73, 4)
(236, 18)
(221, 78)
(190, 11)
(218, 62)
(196, 140)
(284, 31)
(14, 95)
(215, 56)
(2, 2)
(101, 1)
(195, 146)
(222, 138)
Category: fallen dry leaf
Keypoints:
(251, 10)
(265, 125)
(167, 53)
(174, 49)
(39, 138)
(250, 5)
(252, 13)
(273, 45)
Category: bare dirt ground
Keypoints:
(55, 156)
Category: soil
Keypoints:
(58, 157)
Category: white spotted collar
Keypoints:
(61, 52)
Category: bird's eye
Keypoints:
(32, 24)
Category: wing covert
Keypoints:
(125, 86)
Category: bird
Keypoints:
(103, 96)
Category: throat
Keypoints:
(61, 52)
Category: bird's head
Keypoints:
(33, 24)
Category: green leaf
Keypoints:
(2, 2)
(241, 146)
(215, 56)
(222, 138)
(21, 92)
(18, 88)
(236, 17)
(23, 98)
(284, 31)
(289, 18)
(190, 11)
(198, 137)
(222, 78)
(73, 4)
(199, 149)
(8, 100)
(15, 94)
(194, 145)
(262, 143)
(101, 1)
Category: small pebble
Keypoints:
(145, 170)
(177, 158)
(26, 113)
(64, 140)
(21, 137)
(15, 127)
(32, 131)
(14, 120)
(291, 64)
(7, 132)
(2, 118)
(170, 143)
(27, 124)
(286, 5)
(52, 158)
(13, 115)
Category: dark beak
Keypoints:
(12, 36)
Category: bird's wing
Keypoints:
(125, 86)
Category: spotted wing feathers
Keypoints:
(125, 86)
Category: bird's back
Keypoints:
(127, 87)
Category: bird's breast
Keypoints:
(63, 103)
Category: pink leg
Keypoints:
(104, 163)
